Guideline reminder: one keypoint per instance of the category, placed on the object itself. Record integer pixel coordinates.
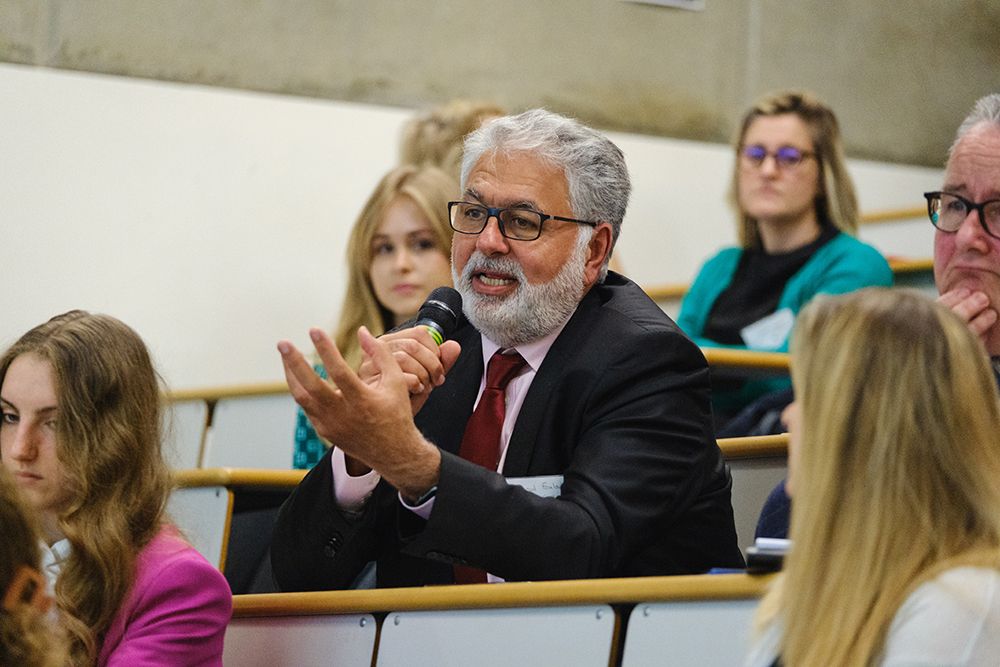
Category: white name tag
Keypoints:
(768, 333)
(546, 486)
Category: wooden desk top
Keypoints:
(900, 265)
(230, 391)
(732, 448)
(718, 357)
(761, 446)
(515, 594)
(244, 477)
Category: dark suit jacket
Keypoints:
(620, 407)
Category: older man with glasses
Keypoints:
(966, 213)
(565, 430)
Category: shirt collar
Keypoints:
(533, 352)
(52, 560)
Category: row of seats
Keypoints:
(241, 431)
(253, 427)
(693, 620)
(204, 502)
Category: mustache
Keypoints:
(479, 262)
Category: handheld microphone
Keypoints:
(439, 314)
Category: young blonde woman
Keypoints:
(894, 466)
(80, 434)
(398, 252)
(27, 638)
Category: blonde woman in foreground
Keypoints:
(894, 466)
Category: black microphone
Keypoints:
(439, 314)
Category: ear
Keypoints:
(597, 251)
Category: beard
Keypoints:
(532, 311)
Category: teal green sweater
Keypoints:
(843, 265)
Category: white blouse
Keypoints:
(949, 621)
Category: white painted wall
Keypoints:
(214, 221)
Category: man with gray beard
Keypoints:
(590, 454)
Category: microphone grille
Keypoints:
(443, 305)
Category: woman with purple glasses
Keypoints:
(796, 215)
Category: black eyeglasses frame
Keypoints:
(969, 206)
(494, 212)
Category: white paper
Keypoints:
(546, 486)
(769, 333)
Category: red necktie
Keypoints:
(481, 441)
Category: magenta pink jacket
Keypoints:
(176, 612)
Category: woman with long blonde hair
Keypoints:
(80, 434)
(894, 466)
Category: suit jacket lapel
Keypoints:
(547, 380)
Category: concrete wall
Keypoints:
(899, 74)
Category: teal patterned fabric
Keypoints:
(308, 448)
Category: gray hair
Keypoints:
(986, 110)
(595, 169)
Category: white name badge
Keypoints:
(546, 486)
(768, 333)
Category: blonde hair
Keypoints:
(26, 636)
(897, 474)
(435, 136)
(430, 189)
(836, 202)
(108, 446)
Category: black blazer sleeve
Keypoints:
(314, 545)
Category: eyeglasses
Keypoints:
(786, 157)
(520, 224)
(948, 211)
